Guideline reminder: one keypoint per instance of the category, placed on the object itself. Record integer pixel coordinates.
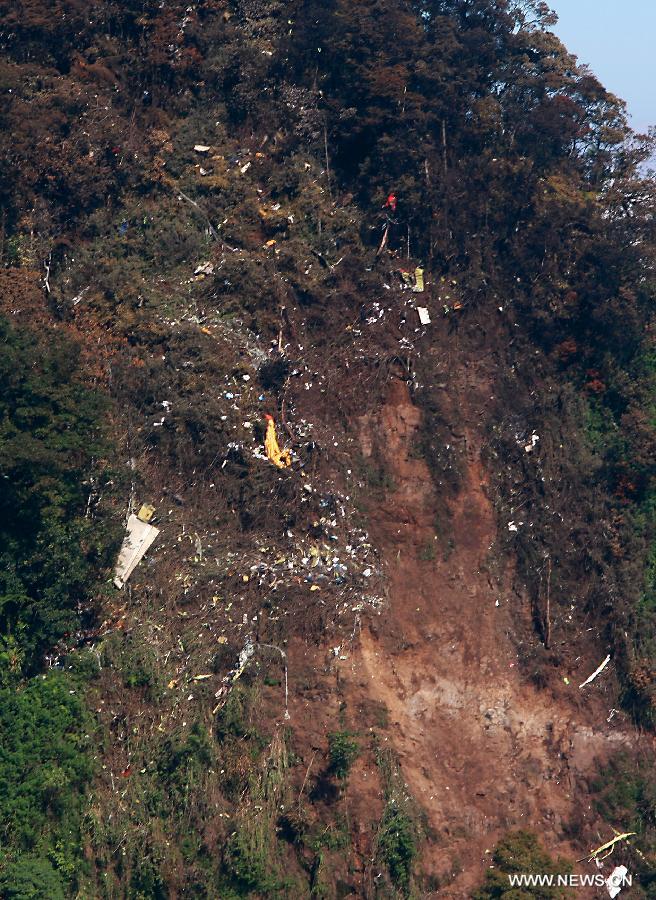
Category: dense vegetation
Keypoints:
(520, 188)
(51, 438)
(45, 767)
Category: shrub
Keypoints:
(182, 761)
(343, 750)
(246, 862)
(519, 852)
(397, 845)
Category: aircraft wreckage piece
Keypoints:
(139, 537)
(596, 672)
(280, 458)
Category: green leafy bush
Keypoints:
(397, 845)
(343, 750)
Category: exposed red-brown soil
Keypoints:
(481, 749)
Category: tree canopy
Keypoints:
(50, 438)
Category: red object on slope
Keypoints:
(391, 202)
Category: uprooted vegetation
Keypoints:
(196, 230)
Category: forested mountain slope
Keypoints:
(416, 238)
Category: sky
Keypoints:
(616, 38)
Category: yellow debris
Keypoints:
(146, 512)
(280, 458)
(609, 846)
(419, 281)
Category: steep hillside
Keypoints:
(417, 239)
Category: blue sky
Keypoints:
(617, 39)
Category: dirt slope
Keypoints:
(481, 749)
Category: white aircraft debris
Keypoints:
(140, 535)
(596, 672)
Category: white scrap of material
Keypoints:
(135, 544)
(424, 315)
(535, 439)
(201, 148)
(615, 882)
(596, 672)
